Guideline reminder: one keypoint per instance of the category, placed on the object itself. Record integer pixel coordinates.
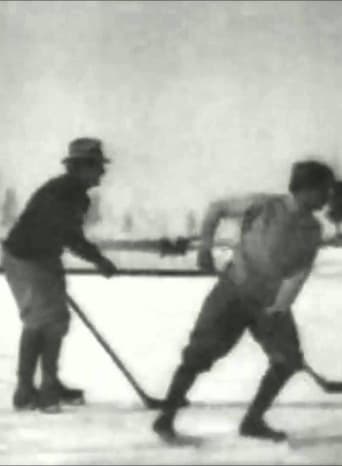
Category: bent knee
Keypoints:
(288, 366)
(196, 360)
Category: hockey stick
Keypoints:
(329, 386)
(150, 402)
(181, 245)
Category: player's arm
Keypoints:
(88, 251)
(218, 210)
(288, 291)
(76, 242)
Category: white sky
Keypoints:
(192, 99)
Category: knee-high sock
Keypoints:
(52, 344)
(181, 382)
(30, 347)
(271, 384)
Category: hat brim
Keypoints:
(86, 159)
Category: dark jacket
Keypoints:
(51, 221)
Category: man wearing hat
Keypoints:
(51, 221)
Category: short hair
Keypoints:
(310, 175)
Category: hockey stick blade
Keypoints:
(329, 386)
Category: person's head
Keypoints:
(311, 183)
(335, 203)
(86, 161)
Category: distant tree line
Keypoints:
(128, 224)
(9, 211)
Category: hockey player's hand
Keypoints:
(107, 267)
(205, 260)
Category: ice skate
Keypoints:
(49, 400)
(70, 396)
(259, 429)
(25, 399)
(163, 426)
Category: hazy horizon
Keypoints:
(193, 100)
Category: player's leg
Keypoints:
(53, 334)
(253, 424)
(53, 391)
(30, 346)
(217, 329)
(21, 278)
(279, 338)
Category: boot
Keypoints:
(72, 396)
(163, 426)
(26, 395)
(251, 427)
(253, 424)
(49, 401)
(181, 383)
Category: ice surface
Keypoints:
(147, 321)
(114, 434)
